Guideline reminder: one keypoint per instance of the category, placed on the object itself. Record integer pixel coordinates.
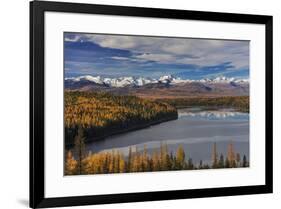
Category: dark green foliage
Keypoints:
(214, 156)
(227, 163)
(245, 163)
(221, 161)
(190, 165)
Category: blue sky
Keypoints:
(118, 55)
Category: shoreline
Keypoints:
(123, 131)
(213, 108)
(147, 125)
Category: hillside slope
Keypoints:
(101, 114)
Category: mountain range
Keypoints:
(165, 86)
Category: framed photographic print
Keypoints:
(135, 104)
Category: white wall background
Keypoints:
(14, 88)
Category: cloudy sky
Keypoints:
(118, 55)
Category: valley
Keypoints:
(115, 116)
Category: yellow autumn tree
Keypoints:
(70, 164)
(180, 157)
(231, 155)
(122, 164)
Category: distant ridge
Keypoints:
(141, 81)
(166, 86)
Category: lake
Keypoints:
(196, 129)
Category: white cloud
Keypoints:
(72, 38)
(157, 57)
(200, 52)
(120, 58)
(120, 42)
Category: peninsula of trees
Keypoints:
(103, 114)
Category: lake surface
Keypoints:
(196, 129)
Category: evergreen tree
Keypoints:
(164, 157)
(156, 161)
(245, 162)
(145, 164)
(221, 161)
(116, 162)
(130, 155)
(111, 162)
(70, 164)
(136, 166)
(80, 148)
(180, 157)
(200, 164)
(172, 161)
(122, 164)
(160, 160)
(215, 156)
(238, 160)
(231, 155)
(190, 165)
(227, 163)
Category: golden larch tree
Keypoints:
(70, 164)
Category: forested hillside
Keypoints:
(241, 103)
(103, 114)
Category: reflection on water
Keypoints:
(222, 114)
(196, 129)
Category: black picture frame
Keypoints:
(37, 195)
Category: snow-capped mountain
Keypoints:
(114, 82)
(165, 86)
(141, 81)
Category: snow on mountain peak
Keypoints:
(140, 81)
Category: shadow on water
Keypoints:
(195, 129)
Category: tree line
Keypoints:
(141, 161)
(103, 114)
(240, 103)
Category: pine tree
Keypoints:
(116, 162)
(111, 162)
(130, 155)
(231, 155)
(172, 161)
(164, 157)
(215, 156)
(190, 165)
(136, 161)
(156, 161)
(238, 160)
(106, 163)
(200, 164)
(180, 157)
(122, 164)
(245, 162)
(145, 164)
(70, 164)
(79, 141)
(227, 163)
(221, 161)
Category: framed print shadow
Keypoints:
(135, 104)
